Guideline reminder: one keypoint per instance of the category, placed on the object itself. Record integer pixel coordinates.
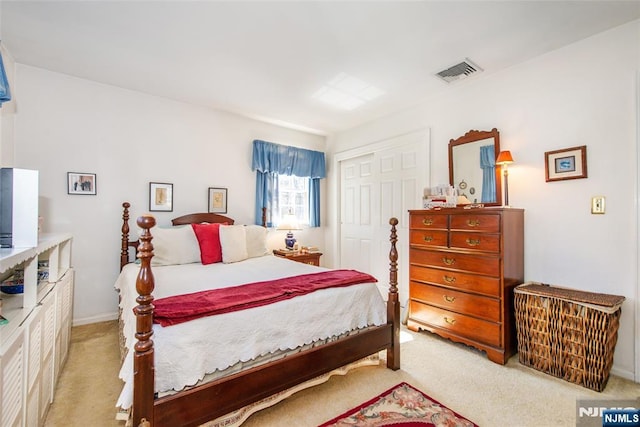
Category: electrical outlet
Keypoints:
(597, 205)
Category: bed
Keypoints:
(275, 373)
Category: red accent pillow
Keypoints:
(208, 236)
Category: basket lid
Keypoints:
(595, 298)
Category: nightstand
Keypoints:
(312, 258)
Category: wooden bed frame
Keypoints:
(217, 398)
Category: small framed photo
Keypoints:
(81, 183)
(569, 163)
(160, 197)
(217, 200)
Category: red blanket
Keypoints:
(182, 308)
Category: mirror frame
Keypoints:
(473, 136)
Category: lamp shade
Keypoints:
(288, 222)
(504, 158)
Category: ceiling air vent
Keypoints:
(459, 71)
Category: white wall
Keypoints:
(65, 124)
(583, 94)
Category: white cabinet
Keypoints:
(35, 341)
(12, 386)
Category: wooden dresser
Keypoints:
(463, 266)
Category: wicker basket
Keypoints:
(567, 333)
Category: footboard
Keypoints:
(211, 400)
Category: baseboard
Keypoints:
(95, 319)
(622, 373)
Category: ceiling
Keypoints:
(265, 59)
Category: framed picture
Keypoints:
(218, 200)
(569, 163)
(160, 197)
(81, 183)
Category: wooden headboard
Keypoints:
(198, 218)
(194, 218)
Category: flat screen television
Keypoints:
(18, 208)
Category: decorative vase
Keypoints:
(290, 241)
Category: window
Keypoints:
(287, 178)
(293, 197)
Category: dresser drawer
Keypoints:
(461, 281)
(428, 237)
(475, 241)
(469, 327)
(429, 220)
(488, 223)
(460, 302)
(455, 261)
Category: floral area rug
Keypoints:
(401, 405)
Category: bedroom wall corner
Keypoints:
(637, 206)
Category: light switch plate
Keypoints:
(597, 205)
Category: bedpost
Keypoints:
(124, 252)
(143, 359)
(393, 304)
(264, 216)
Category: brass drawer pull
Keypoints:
(449, 321)
(427, 238)
(427, 221)
(448, 261)
(449, 279)
(473, 222)
(473, 242)
(447, 298)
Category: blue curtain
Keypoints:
(5, 93)
(314, 202)
(271, 160)
(266, 196)
(488, 165)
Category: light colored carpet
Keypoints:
(459, 377)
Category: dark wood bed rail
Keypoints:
(211, 400)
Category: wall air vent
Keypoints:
(459, 71)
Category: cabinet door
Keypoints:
(48, 344)
(34, 365)
(11, 387)
(64, 303)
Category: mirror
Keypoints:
(472, 168)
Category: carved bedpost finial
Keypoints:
(393, 257)
(264, 216)
(144, 381)
(144, 282)
(124, 251)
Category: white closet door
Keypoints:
(374, 187)
(358, 190)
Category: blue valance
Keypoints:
(5, 93)
(281, 159)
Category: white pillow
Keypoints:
(175, 245)
(256, 241)
(233, 240)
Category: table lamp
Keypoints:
(504, 158)
(289, 222)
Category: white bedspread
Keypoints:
(184, 353)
